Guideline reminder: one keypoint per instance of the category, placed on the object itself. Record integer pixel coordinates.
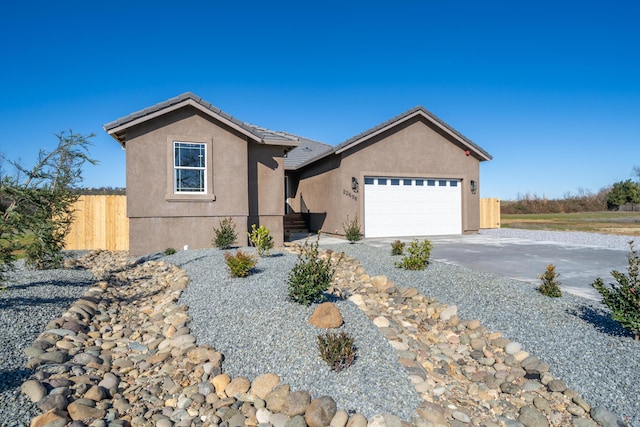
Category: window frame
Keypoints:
(203, 169)
(171, 195)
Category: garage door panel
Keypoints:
(411, 209)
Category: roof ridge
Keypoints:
(304, 137)
(405, 114)
(260, 133)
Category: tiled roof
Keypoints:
(306, 150)
(401, 117)
(309, 151)
(305, 153)
(116, 128)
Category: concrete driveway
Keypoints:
(523, 259)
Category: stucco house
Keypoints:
(189, 165)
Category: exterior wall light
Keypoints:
(354, 184)
(474, 187)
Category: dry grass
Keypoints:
(620, 223)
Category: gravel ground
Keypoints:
(31, 300)
(250, 321)
(575, 237)
(575, 336)
(258, 331)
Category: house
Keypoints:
(189, 165)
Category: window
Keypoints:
(189, 167)
(406, 182)
(420, 182)
(442, 183)
(382, 181)
(368, 181)
(453, 183)
(395, 182)
(431, 182)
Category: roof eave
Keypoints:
(281, 142)
(118, 132)
(481, 154)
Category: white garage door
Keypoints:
(412, 207)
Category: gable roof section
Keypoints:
(299, 159)
(118, 128)
(408, 115)
(307, 152)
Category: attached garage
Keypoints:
(413, 175)
(397, 207)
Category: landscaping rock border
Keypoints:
(123, 355)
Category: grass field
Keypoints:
(621, 223)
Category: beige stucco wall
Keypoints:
(265, 166)
(155, 234)
(161, 219)
(412, 149)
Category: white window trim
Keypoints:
(171, 195)
(198, 168)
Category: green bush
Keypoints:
(259, 238)
(337, 350)
(550, 285)
(352, 230)
(397, 248)
(39, 202)
(623, 298)
(169, 251)
(225, 235)
(417, 257)
(623, 192)
(239, 264)
(310, 276)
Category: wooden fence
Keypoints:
(100, 223)
(489, 213)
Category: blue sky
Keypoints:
(551, 89)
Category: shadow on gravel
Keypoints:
(13, 378)
(256, 270)
(275, 255)
(182, 264)
(19, 304)
(327, 297)
(22, 286)
(601, 320)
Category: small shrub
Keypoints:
(417, 257)
(169, 251)
(310, 276)
(397, 248)
(623, 298)
(337, 350)
(225, 235)
(259, 238)
(239, 264)
(550, 285)
(352, 230)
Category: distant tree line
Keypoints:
(102, 191)
(584, 201)
(623, 195)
